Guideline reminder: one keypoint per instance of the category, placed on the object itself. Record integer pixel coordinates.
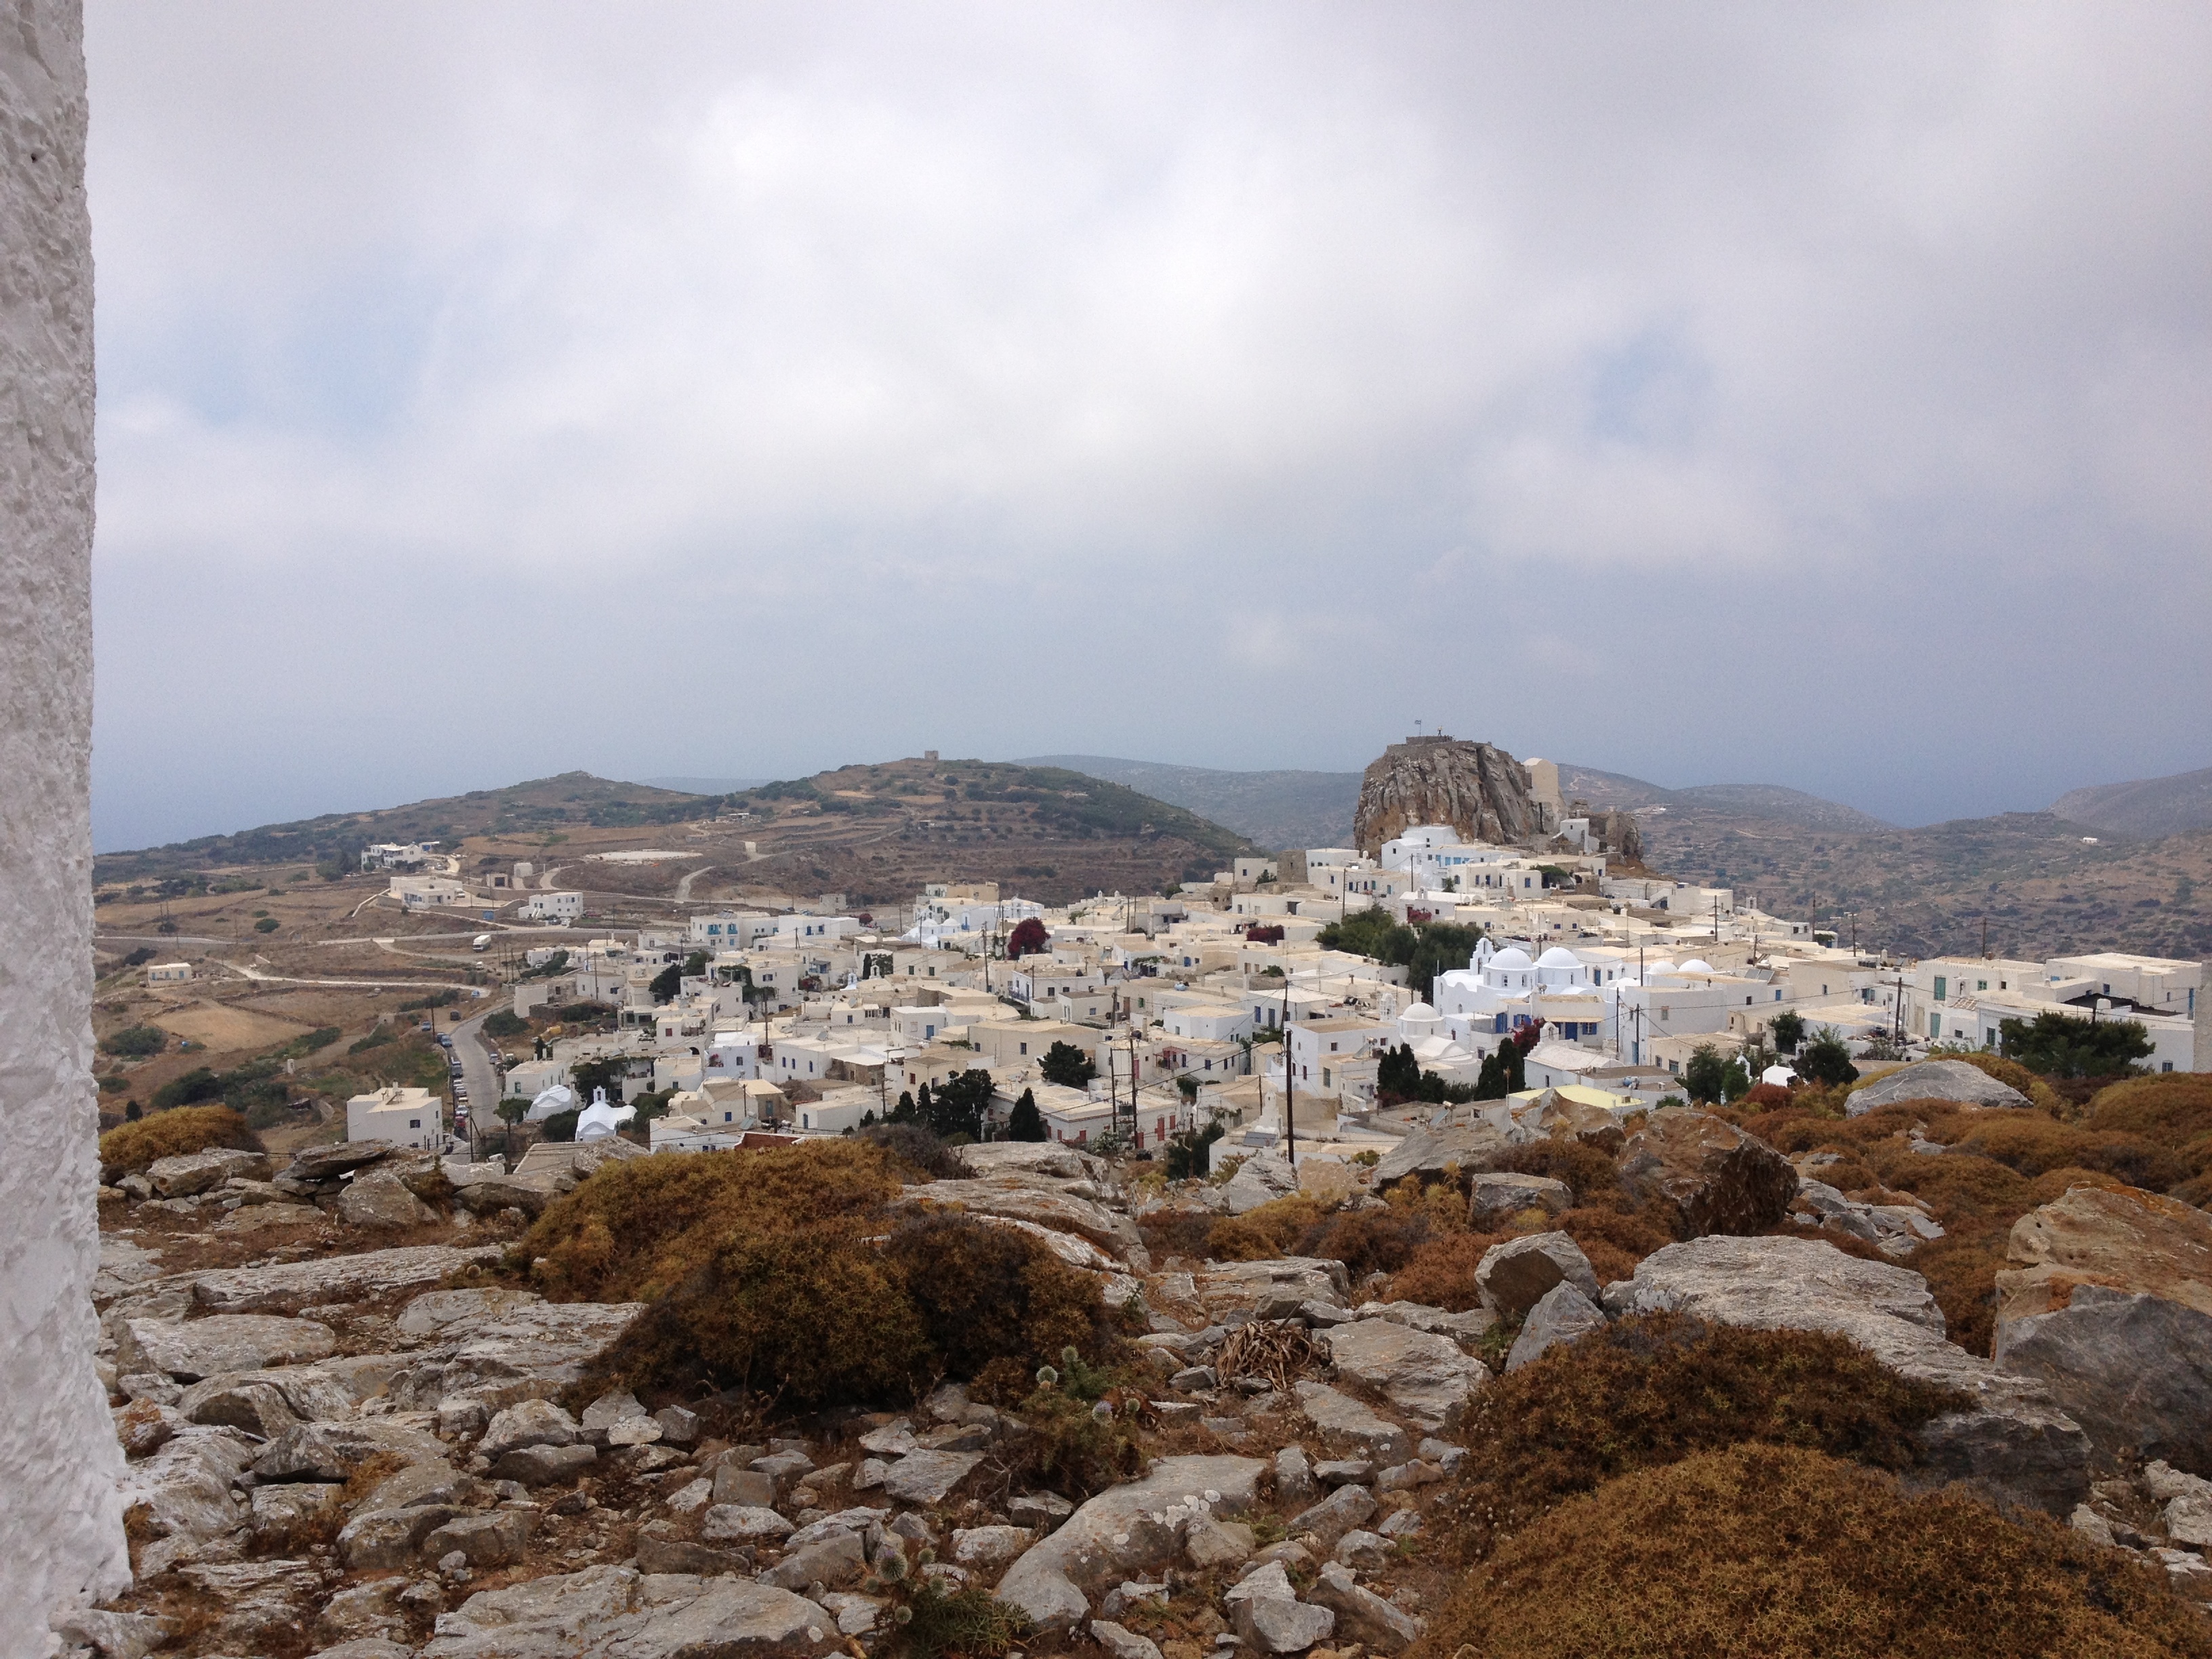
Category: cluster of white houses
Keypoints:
(1218, 1003)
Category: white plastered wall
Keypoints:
(61, 1530)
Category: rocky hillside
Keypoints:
(1480, 790)
(2144, 810)
(891, 1400)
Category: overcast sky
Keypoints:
(1809, 395)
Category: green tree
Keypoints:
(667, 982)
(561, 1127)
(1788, 1029)
(1735, 1081)
(1826, 1060)
(1067, 1065)
(2062, 1045)
(1025, 1122)
(1398, 1075)
(134, 1042)
(266, 925)
(586, 1075)
(904, 1112)
(505, 1022)
(959, 1105)
(510, 1111)
(1188, 1156)
(1706, 1075)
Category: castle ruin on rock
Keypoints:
(1476, 787)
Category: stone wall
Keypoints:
(61, 1530)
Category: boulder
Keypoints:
(1036, 1157)
(1122, 1643)
(436, 1312)
(255, 1406)
(532, 1423)
(512, 1352)
(488, 1541)
(320, 1164)
(363, 1612)
(741, 1523)
(1262, 1288)
(1716, 1177)
(1428, 1378)
(1515, 1276)
(1122, 1533)
(199, 1172)
(1466, 1328)
(263, 1603)
(674, 1555)
(1361, 1614)
(1262, 1178)
(487, 1190)
(986, 1549)
(2015, 1437)
(255, 1217)
(1294, 1476)
(735, 1483)
(1342, 1511)
(423, 1483)
(1895, 1230)
(1036, 1201)
(832, 1562)
(310, 1393)
(1279, 1623)
(1495, 1196)
(2112, 1308)
(927, 1478)
(1340, 1420)
(370, 1276)
(378, 1540)
(283, 1509)
(543, 1466)
(190, 1349)
(1933, 1079)
(1459, 1151)
(332, 1451)
(112, 1635)
(185, 1483)
(1553, 1114)
(620, 1611)
(1564, 1315)
(381, 1200)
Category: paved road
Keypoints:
(477, 1071)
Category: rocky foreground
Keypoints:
(343, 1445)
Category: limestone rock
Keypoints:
(833, 1562)
(362, 1611)
(738, 1523)
(282, 1509)
(1480, 790)
(487, 1190)
(543, 1466)
(1036, 1157)
(2113, 1309)
(619, 1610)
(1553, 1114)
(929, 1477)
(1515, 1276)
(423, 1483)
(1496, 1195)
(1341, 1512)
(254, 1218)
(256, 1406)
(1261, 1179)
(1275, 1624)
(1429, 1379)
(190, 1349)
(199, 1172)
(512, 1352)
(488, 1541)
(1260, 1288)
(1340, 1420)
(311, 1393)
(112, 1635)
(2016, 1437)
(1123, 1531)
(1036, 1201)
(332, 1451)
(1209, 1544)
(262, 1602)
(370, 1276)
(988, 1548)
(1564, 1315)
(1933, 1079)
(436, 1311)
(1360, 1614)
(1121, 1644)
(1459, 1152)
(748, 1487)
(1294, 1477)
(674, 1555)
(530, 1423)
(1468, 1328)
(378, 1539)
(1720, 1179)
(382, 1199)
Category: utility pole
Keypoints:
(1290, 1104)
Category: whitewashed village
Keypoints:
(1218, 1238)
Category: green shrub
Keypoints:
(985, 1291)
(505, 1022)
(375, 1039)
(971, 1623)
(918, 1150)
(197, 1085)
(1366, 1241)
(266, 925)
(134, 1042)
(1272, 1230)
(173, 1135)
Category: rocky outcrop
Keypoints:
(1718, 1178)
(608, 1609)
(190, 1349)
(2015, 1437)
(1564, 1315)
(1480, 790)
(2113, 1309)
(1453, 1153)
(1122, 1533)
(1428, 1378)
(1512, 1278)
(1934, 1079)
(1495, 1197)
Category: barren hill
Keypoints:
(2147, 808)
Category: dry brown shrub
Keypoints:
(1441, 1273)
(1614, 1240)
(1586, 1171)
(643, 1226)
(1444, 1203)
(1781, 1552)
(986, 1293)
(1258, 1235)
(2032, 1144)
(1177, 1232)
(2172, 1110)
(1278, 1351)
(2010, 1072)
(1366, 1241)
(173, 1133)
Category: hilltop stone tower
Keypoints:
(1476, 787)
(61, 1528)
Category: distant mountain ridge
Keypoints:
(2147, 807)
